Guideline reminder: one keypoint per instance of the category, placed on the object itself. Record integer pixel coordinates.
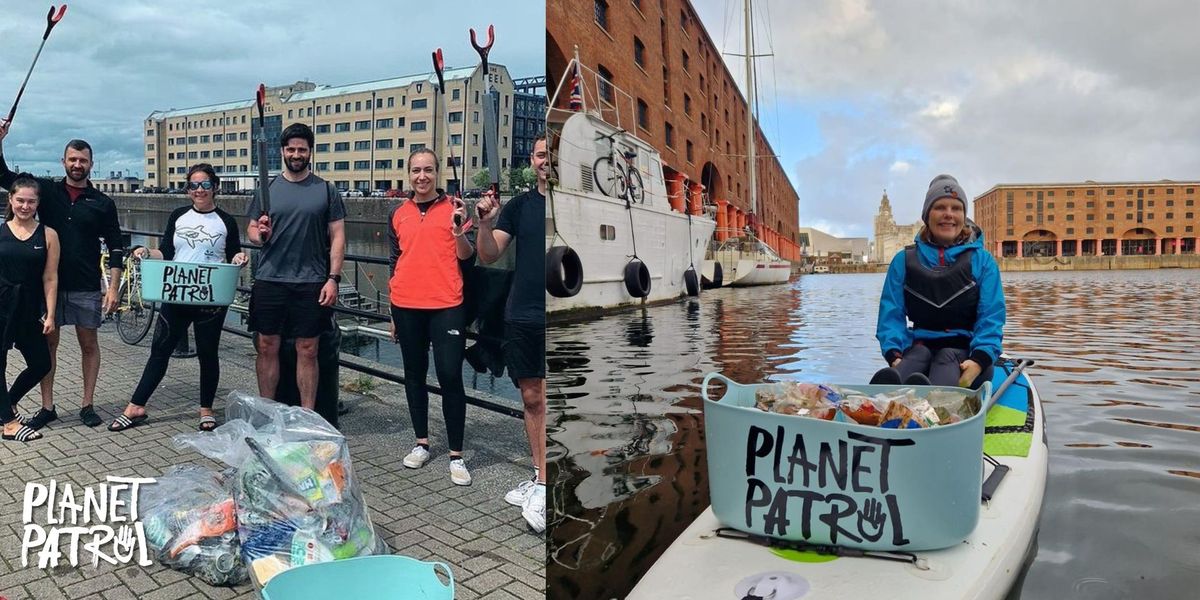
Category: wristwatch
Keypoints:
(337, 278)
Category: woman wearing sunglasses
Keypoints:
(200, 233)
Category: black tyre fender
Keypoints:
(637, 278)
(717, 279)
(564, 272)
(691, 281)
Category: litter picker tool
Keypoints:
(438, 67)
(52, 19)
(490, 121)
(263, 189)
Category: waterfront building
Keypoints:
(817, 244)
(1090, 218)
(657, 73)
(364, 131)
(117, 182)
(529, 117)
(890, 238)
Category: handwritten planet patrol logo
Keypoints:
(101, 521)
(950, 191)
(810, 486)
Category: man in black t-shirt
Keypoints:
(81, 214)
(524, 218)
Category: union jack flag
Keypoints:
(576, 102)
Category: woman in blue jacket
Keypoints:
(949, 287)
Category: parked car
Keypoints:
(474, 193)
(378, 193)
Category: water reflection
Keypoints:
(1116, 364)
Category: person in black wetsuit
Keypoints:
(28, 296)
(200, 233)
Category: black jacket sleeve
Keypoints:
(167, 245)
(111, 232)
(393, 241)
(7, 177)
(233, 238)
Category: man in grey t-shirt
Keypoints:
(299, 268)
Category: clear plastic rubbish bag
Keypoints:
(190, 521)
(296, 496)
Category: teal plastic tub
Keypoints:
(838, 482)
(363, 578)
(196, 284)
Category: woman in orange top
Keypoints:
(427, 238)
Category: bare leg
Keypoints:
(306, 371)
(47, 385)
(266, 365)
(533, 394)
(89, 349)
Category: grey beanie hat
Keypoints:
(942, 186)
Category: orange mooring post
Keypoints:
(722, 220)
(675, 191)
(696, 198)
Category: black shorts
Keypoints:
(288, 309)
(524, 351)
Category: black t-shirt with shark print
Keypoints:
(200, 237)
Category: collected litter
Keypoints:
(901, 408)
(293, 496)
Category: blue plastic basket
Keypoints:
(836, 482)
(363, 578)
(196, 284)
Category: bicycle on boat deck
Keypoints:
(618, 178)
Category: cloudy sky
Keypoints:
(865, 95)
(110, 63)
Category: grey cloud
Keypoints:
(109, 64)
(1060, 91)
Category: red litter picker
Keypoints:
(263, 187)
(52, 19)
(490, 121)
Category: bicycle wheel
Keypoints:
(134, 316)
(637, 192)
(610, 177)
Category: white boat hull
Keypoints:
(667, 241)
(753, 272)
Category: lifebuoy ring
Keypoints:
(637, 278)
(564, 272)
(717, 279)
(691, 281)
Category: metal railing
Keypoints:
(364, 314)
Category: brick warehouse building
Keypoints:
(687, 106)
(1090, 218)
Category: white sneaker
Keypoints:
(458, 472)
(534, 509)
(519, 494)
(416, 459)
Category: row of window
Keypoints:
(194, 154)
(1092, 230)
(1112, 216)
(1108, 192)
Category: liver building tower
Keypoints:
(890, 238)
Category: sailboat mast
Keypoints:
(750, 110)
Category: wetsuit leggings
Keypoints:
(172, 324)
(416, 329)
(31, 342)
(940, 364)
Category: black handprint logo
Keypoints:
(871, 519)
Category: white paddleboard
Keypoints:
(701, 566)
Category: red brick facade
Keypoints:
(1090, 219)
(685, 92)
